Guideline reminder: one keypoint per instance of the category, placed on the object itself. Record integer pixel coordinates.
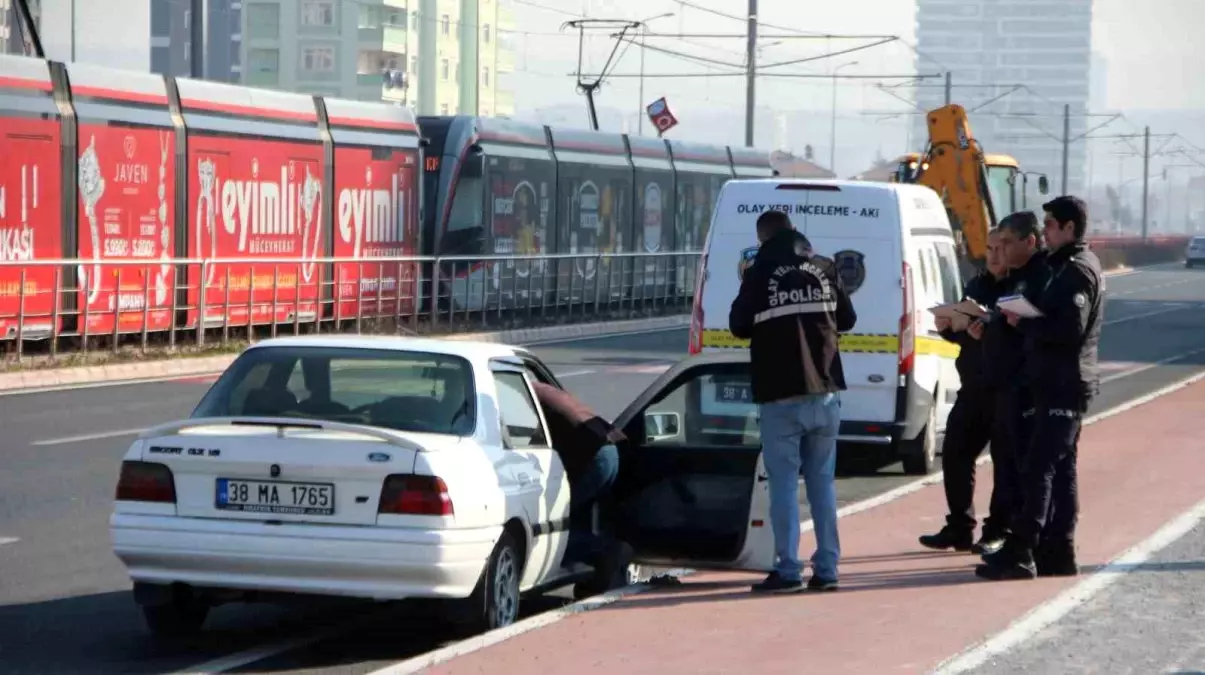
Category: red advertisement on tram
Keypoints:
(30, 217)
(376, 216)
(126, 194)
(255, 199)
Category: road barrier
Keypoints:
(1136, 251)
(162, 302)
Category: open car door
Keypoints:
(692, 487)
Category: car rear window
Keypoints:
(1198, 241)
(403, 390)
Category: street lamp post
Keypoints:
(643, 30)
(832, 138)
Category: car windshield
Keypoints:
(1198, 241)
(402, 390)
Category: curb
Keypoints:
(207, 365)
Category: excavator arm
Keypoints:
(953, 166)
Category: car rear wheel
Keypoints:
(919, 455)
(495, 601)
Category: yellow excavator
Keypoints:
(977, 188)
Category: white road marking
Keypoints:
(248, 656)
(1051, 611)
(8, 540)
(575, 373)
(1150, 366)
(1167, 309)
(1154, 288)
(88, 437)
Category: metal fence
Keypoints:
(49, 306)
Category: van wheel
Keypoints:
(495, 601)
(919, 455)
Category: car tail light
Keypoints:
(907, 349)
(696, 310)
(410, 495)
(146, 482)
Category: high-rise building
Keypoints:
(990, 47)
(437, 56)
(171, 39)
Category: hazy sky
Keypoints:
(1152, 49)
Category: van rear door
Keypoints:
(858, 227)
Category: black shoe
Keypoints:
(989, 543)
(948, 538)
(1009, 563)
(1000, 554)
(1056, 561)
(818, 584)
(774, 583)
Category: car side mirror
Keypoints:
(661, 426)
(1043, 185)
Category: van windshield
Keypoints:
(393, 389)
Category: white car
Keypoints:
(1195, 252)
(389, 468)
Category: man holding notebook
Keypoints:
(1060, 369)
(973, 423)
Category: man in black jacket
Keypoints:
(972, 425)
(791, 306)
(1062, 374)
(1004, 358)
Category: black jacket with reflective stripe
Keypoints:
(791, 306)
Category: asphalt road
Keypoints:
(64, 599)
(1146, 622)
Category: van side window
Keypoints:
(948, 264)
(924, 271)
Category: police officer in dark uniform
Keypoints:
(1063, 377)
(1004, 361)
(972, 425)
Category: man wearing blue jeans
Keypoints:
(586, 444)
(791, 307)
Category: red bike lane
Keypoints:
(901, 608)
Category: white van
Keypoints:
(895, 250)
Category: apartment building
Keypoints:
(437, 56)
(990, 46)
(10, 29)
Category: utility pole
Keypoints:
(949, 87)
(1146, 178)
(196, 29)
(750, 73)
(640, 116)
(1066, 142)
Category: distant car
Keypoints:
(389, 468)
(1195, 252)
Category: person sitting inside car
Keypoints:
(586, 444)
